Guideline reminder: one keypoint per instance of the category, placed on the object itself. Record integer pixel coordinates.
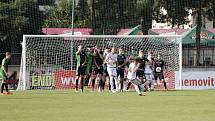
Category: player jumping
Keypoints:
(149, 71)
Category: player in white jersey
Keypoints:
(149, 70)
(111, 60)
(138, 85)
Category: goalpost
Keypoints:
(48, 61)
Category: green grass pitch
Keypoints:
(127, 106)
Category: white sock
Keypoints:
(137, 89)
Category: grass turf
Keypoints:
(126, 106)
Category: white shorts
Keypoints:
(111, 71)
(149, 76)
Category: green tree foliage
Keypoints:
(82, 14)
(177, 11)
(59, 15)
(105, 16)
(18, 17)
(109, 16)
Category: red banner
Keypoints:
(65, 79)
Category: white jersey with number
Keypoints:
(112, 59)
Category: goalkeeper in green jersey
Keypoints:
(4, 73)
(89, 64)
(81, 67)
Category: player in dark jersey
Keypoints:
(81, 66)
(140, 71)
(98, 68)
(159, 65)
(121, 63)
(4, 73)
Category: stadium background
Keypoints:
(113, 17)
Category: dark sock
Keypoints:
(76, 84)
(129, 84)
(165, 85)
(109, 86)
(87, 80)
(6, 87)
(103, 85)
(121, 88)
(93, 83)
(82, 84)
(2, 87)
(100, 83)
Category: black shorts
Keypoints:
(140, 73)
(121, 73)
(98, 71)
(81, 70)
(158, 75)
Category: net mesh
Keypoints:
(50, 61)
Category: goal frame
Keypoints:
(23, 57)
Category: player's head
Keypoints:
(97, 47)
(121, 50)
(149, 51)
(159, 55)
(141, 53)
(90, 49)
(136, 61)
(8, 55)
(107, 50)
(113, 49)
(80, 48)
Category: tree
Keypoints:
(106, 17)
(82, 14)
(59, 15)
(213, 7)
(17, 18)
(177, 12)
(46, 2)
(145, 10)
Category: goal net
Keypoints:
(48, 61)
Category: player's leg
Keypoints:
(82, 78)
(88, 74)
(101, 81)
(129, 85)
(161, 77)
(93, 78)
(138, 86)
(78, 74)
(125, 81)
(116, 81)
(111, 84)
(122, 75)
(2, 87)
(152, 80)
(156, 78)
